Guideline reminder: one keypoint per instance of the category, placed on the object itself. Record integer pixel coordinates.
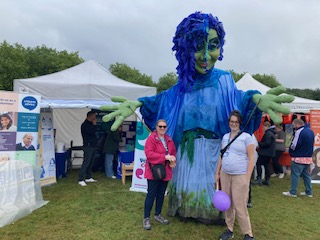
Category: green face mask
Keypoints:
(207, 53)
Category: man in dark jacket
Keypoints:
(301, 150)
(266, 151)
(88, 132)
(110, 149)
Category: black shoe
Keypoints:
(257, 182)
(266, 182)
(249, 205)
(247, 237)
(226, 235)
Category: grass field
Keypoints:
(108, 210)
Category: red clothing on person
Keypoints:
(156, 153)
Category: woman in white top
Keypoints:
(234, 172)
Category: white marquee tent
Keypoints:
(72, 91)
(303, 105)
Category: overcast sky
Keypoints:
(279, 37)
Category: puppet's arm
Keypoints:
(271, 103)
(121, 111)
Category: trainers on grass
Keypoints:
(281, 175)
(226, 235)
(82, 183)
(304, 194)
(274, 175)
(90, 180)
(146, 224)
(161, 219)
(288, 194)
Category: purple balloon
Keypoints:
(221, 201)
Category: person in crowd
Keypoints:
(301, 150)
(234, 173)
(315, 173)
(26, 143)
(90, 141)
(159, 149)
(110, 149)
(98, 164)
(266, 151)
(280, 148)
(197, 109)
(6, 123)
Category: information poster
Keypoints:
(315, 126)
(46, 151)
(139, 183)
(19, 118)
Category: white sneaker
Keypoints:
(113, 177)
(288, 194)
(304, 194)
(90, 180)
(281, 175)
(274, 175)
(82, 183)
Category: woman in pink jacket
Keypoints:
(159, 149)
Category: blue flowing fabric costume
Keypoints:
(207, 107)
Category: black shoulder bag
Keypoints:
(159, 170)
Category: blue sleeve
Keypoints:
(162, 106)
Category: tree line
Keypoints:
(18, 62)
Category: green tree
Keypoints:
(123, 71)
(17, 62)
(268, 80)
(166, 81)
(13, 64)
(236, 76)
(47, 60)
(304, 93)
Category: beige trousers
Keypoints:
(237, 187)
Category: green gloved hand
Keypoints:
(121, 111)
(271, 103)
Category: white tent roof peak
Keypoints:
(247, 82)
(86, 81)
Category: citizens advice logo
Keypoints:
(29, 103)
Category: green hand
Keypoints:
(121, 111)
(271, 103)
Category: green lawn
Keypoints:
(108, 210)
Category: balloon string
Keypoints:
(217, 185)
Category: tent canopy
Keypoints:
(247, 82)
(86, 82)
(70, 92)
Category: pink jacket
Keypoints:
(156, 153)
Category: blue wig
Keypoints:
(190, 33)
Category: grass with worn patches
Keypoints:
(108, 210)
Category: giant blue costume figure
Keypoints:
(197, 110)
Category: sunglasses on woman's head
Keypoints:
(162, 126)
